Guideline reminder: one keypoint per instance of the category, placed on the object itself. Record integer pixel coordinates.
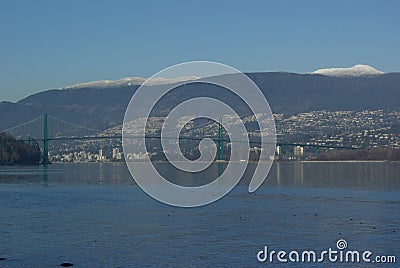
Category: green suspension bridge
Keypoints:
(46, 129)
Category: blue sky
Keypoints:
(51, 44)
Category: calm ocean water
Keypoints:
(94, 215)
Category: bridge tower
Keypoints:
(45, 141)
(220, 148)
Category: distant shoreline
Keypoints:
(216, 162)
(21, 164)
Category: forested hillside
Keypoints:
(13, 151)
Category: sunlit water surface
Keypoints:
(94, 215)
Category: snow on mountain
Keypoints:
(130, 81)
(355, 71)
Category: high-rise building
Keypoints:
(101, 154)
(298, 152)
(115, 153)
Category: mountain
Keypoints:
(129, 81)
(355, 71)
(103, 106)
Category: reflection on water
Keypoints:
(352, 175)
(94, 215)
(45, 174)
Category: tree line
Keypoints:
(13, 151)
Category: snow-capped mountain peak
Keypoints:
(356, 71)
(130, 81)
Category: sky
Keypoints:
(52, 44)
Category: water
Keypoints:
(94, 215)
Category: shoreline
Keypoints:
(219, 162)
